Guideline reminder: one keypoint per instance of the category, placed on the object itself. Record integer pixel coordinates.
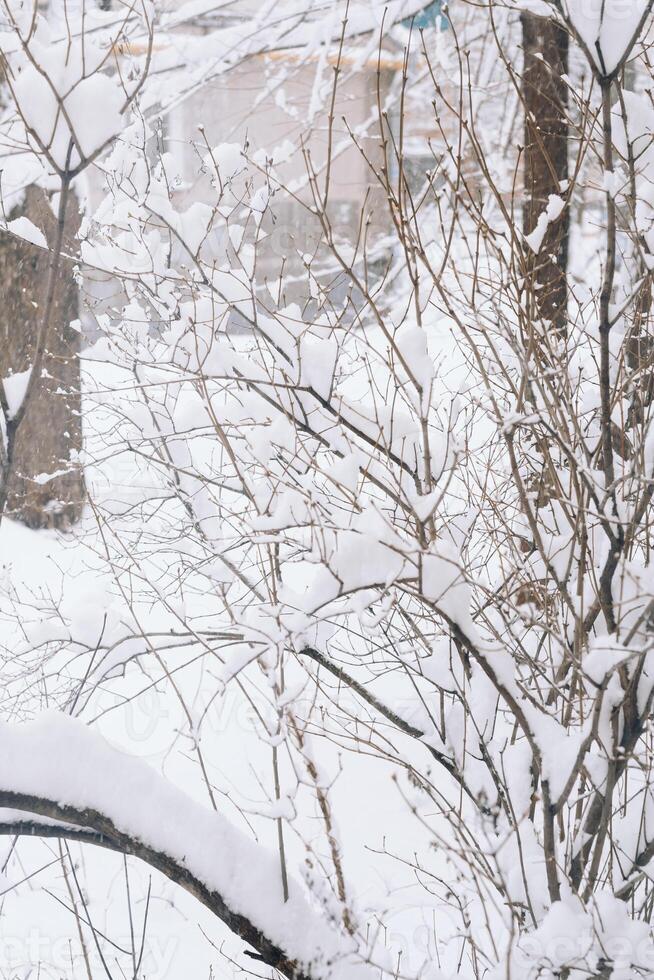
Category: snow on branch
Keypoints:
(205, 56)
(59, 769)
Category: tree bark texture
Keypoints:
(545, 53)
(50, 434)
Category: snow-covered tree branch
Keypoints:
(364, 570)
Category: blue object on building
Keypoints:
(431, 16)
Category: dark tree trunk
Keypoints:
(50, 434)
(545, 51)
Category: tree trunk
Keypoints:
(545, 52)
(50, 434)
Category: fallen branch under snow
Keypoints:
(84, 789)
